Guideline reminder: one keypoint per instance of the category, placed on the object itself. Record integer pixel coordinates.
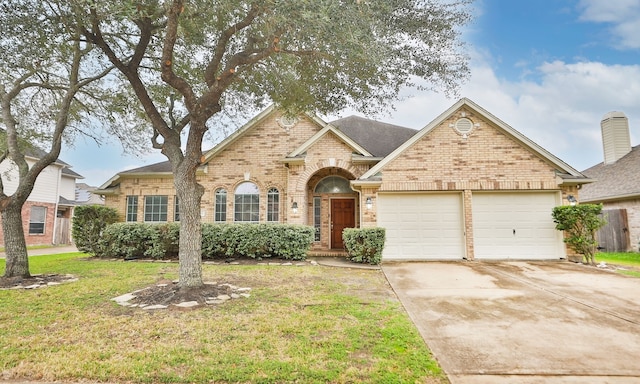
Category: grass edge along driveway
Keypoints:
(300, 324)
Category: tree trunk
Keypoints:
(17, 261)
(190, 251)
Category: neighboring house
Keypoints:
(85, 195)
(465, 186)
(617, 185)
(47, 213)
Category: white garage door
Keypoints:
(516, 226)
(422, 226)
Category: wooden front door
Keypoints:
(343, 215)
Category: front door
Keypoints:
(343, 215)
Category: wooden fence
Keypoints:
(63, 231)
(614, 236)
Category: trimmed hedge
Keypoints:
(364, 245)
(158, 241)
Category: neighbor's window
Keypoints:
(37, 220)
(176, 210)
(247, 203)
(132, 208)
(155, 208)
(273, 205)
(220, 214)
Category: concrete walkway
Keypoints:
(524, 322)
(48, 250)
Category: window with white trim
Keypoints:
(247, 203)
(220, 208)
(155, 208)
(273, 205)
(37, 219)
(132, 208)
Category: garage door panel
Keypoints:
(421, 226)
(515, 226)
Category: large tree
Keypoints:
(47, 78)
(188, 61)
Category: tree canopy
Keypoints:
(190, 61)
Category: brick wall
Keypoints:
(37, 239)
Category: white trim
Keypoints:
(329, 128)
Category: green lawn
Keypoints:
(308, 324)
(625, 259)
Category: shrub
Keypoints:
(364, 245)
(256, 240)
(580, 223)
(142, 240)
(133, 240)
(89, 221)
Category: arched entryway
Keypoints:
(334, 206)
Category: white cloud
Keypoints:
(561, 111)
(624, 15)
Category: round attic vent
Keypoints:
(287, 122)
(463, 126)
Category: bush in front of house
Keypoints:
(580, 223)
(364, 245)
(256, 241)
(134, 241)
(158, 241)
(89, 221)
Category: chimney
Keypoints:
(615, 136)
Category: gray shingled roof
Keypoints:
(619, 179)
(380, 139)
(162, 167)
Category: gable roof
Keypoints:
(328, 128)
(614, 181)
(248, 126)
(379, 139)
(565, 171)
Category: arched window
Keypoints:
(220, 208)
(333, 184)
(247, 203)
(273, 205)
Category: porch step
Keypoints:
(327, 253)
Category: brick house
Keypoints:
(465, 186)
(46, 215)
(617, 185)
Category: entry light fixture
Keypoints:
(572, 200)
(294, 207)
(369, 203)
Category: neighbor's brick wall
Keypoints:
(486, 160)
(44, 239)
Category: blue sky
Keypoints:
(549, 68)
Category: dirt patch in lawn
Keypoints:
(35, 281)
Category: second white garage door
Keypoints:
(515, 226)
(422, 226)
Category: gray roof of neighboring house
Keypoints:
(380, 139)
(613, 181)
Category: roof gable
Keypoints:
(251, 124)
(322, 133)
(561, 166)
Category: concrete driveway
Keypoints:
(524, 322)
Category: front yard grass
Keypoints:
(625, 259)
(308, 324)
